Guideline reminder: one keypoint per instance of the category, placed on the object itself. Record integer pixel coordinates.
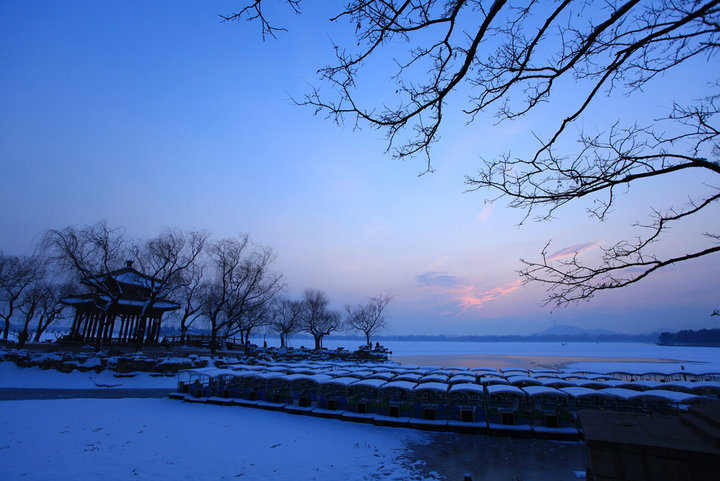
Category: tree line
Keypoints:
(228, 286)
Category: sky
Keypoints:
(150, 115)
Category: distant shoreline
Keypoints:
(515, 361)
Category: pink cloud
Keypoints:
(470, 298)
(573, 250)
(485, 213)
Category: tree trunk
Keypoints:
(367, 338)
(6, 331)
(318, 341)
(41, 328)
(213, 341)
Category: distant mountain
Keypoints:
(573, 331)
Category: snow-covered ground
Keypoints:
(162, 439)
(148, 439)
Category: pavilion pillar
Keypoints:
(86, 327)
(152, 330)
(149, 330)
(134, 328)
(75, 324)
(120, 329)
(94, 326)
(111, 327)
(157, 328)
(126, 327)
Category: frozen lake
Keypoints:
(603, 357)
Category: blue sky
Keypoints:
(149, 114)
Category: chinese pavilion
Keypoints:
(112, 310)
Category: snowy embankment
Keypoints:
(12, 376)
(162, 439)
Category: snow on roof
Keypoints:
(556, 381)
(592, 383)
(409, 376)
(704, 384)
(504, 389)
(620, 392)
(244, 367)
(274, 369)
(298, 377)
(342, 381)
(304, 370)
(383, 375)
(577, 392)
(521, 379)
(267, 375)
(209, 371)
(544, 371)
(381, 369)
(673, 396)
(467, 387)
(434, 377)
(488, 369)
(429, 368)
(493, 379)
(321, 378)
(648, 384)
(523, 372)
(432, 386)
(543, 391)
(405, 385)
(374, 383)
(244, 373)
(133, 278)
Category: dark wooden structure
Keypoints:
(112, 310)
(626, 446)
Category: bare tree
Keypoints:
(234, 301)
(17, 275)
(368, 318)
(285, 318)
(316, 318)
(164, 259)
(189, 298)
(509, 57)
(87, 254)
(41, 303)
(51, 309)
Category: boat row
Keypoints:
(540, 403)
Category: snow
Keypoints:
(405, 385)
(543, 391)
(503, 389)
(432, 386)
(161, 439)
(467, 387)
(119, 439)
(36, 377)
